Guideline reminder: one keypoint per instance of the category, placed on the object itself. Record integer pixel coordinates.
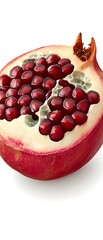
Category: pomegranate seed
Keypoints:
(72, 86)
(55, 116)
(11, 113)
(2, 88)
(4, 80)
(35, 117)
(25, 110)
(56, 133)
(93, 97)
(12, 92)
(2, 96)
(25, 89)
(69, 105)
(63, 83)
(83, 105)
(79, 94)
(67, 69)
(38, 94)
(28, 65)
(45, 127)
(48, 83)
(27, 76)
(48, 94)
(35, 105)
(15, 83)
(56, 103)
(65, 92)
(2, 111)
(16, 72)
(79, 117)
(64, 61)
(37, 81)
(55, 71)
(42, 61)
(40, 69)
(11, 101)
(52, 59)
(68, 123)
(24, 100)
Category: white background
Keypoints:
(70, 207)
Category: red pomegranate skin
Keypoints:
(53, 164)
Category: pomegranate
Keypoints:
(51, 110)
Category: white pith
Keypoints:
(30, 137)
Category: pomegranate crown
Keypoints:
(82, 52)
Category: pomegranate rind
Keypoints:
(55, 164)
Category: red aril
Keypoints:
(48, 94)
(63, 83)
(35, 105)
(67, 69)
(83, 105)
(56, 133)
(2, 111)
(48, 83)
(35, 117)
(11, 113)
(2, 96)
(16, 72)
(11, 101)
(15, 83)
(4, 80)
(65, 92)
(25, 110)
(52, 59)
(37, 81)
(79, 94)
(45, 127)
(26, 77)
(69, 105)
(79, 117)
(38, 94)
(55, 116)
(56, 103)
(12, 92)
(29, 65)
(68, 123)
(64, 61)
(93, 97)
(25, 89)
(55, 71)
(24, 100)
(4, 88)
(42, 61)
(40, 69)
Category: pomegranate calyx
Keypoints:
(82, 52)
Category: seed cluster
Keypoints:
(27, 87)
(68, 110)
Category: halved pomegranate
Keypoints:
(51, 110)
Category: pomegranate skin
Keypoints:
(54, 164)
